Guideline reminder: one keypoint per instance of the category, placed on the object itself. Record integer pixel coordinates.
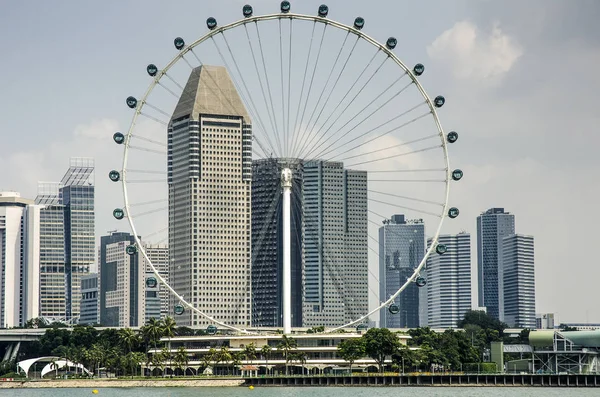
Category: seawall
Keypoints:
(103, 383)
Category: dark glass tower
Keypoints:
(267, 242)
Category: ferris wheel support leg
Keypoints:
(286, 183)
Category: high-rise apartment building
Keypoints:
(401, 249)
(267, 242)
(335, 244)
(449, 281)
(492, 226)
(19, 260)
(159, 256)
(209, 180)
(519, 281)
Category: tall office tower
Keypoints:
(89, 300)
(77, 197)
(52, 252)
(159, 255)
(209, 178)
(335, 244)
(127, 297)
(492, 226)
(449, 281)
(544, 321)
(519, 281)
(401, 249)
(19, 260)
(267, 242)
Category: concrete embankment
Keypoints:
(104, 383)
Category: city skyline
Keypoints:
(492, 176)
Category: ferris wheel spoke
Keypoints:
(151, 212)
(143, 149)
(312, 79)
(294, 126)
(149, 181)
(395, 129)
(267, 79)
(143, 138)
(406, 198)
(312, 128)
(342, 136)
(249, 96)
(407, 170)
(156, 233)
(289, 90)
(342, 101)
(395, 156)
(159, 121)
(157, 109)
(170, 91)
(262, 90)
(395, 205)
(283, 126)
(388, 148)
(146, 203)
(327, 81)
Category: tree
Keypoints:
(379, 344)
(351, 350)
(250, 352)
(181, 358)
(224, 356)
(266, 353)
(152, 331)
(168, 329)
(128, 340)
(482, 319)
(287, 346)
(403, 357)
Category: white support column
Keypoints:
(286, 184)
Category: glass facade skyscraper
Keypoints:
(77, 197)
(492, 226)
(52, 262)
(401, 249)
(267, 242)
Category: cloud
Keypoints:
(472, 54)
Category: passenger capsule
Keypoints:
(131, 250)
(119, 138)
(114, 176)
(439, 101)
(394, 308)
(179, 43)
(419, 69)
(421, 282)
(119, 213)
(359, 23)
(452, 137)
(453, 212)
(391, 43)
(457, 175)
(247, 11)
(362, 327)
(179, 309)
(285, 6)
(441, 249)
(211, 330)
(152, 69)
(151, 282)
(323, 11)
(131, 102)
(211, 23)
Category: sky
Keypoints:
(520, 79)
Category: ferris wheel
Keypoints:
(323, 127)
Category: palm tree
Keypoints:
(211, 356)
(287, 346)
(169, 326)
(181, 358)
(250, 352)
(128, 339)
(152, 331)
(266, 352)
(225, 355)
(236, 361)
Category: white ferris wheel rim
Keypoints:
(283, 16)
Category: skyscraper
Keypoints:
(209, 179)
(89, 300)
(52, 261)
(449, 281)
(77, 197)
(401, 249)
(519, 281)
(159, 256)
(492, 226)
(335, 244)
(267, 242)
(19, 260)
